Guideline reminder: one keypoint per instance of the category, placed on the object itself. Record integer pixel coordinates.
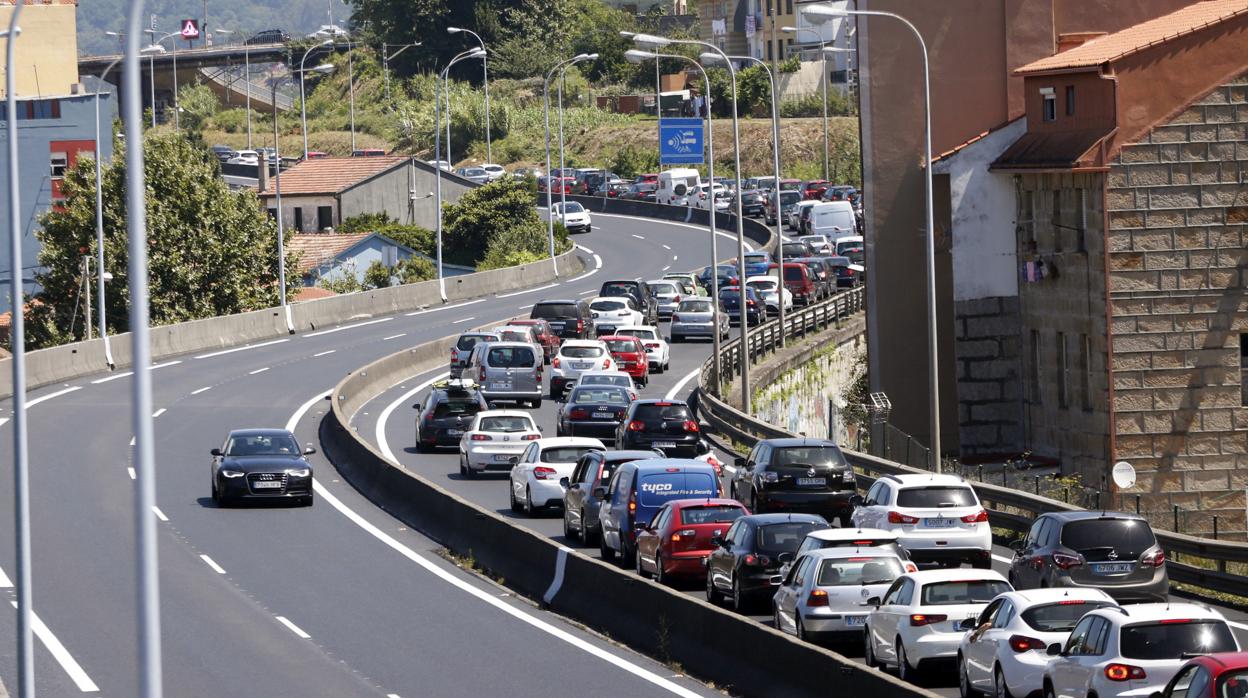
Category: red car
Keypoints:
(649, 178)
(678, 539)
(1222, 675)
(630, 356)
(814, 189)
(550, 341)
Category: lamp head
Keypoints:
(592, 57)
(324, 69)
(453, 30)
(152, 49)
(709, 58)
(327, 42)
(822, 13)
(651, 41)
(637, 56)
(478, 51)
(627, 34)
(788, 29)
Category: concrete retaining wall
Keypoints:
(763, 236)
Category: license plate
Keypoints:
(267, 485)
(664, 444)
(501, 458)
(454, 432)
(855, 621)
(582, 365)
(1113, 568)
(606, 329)
(500, 386)
(601, 415)
(812, 481)
(938, 523)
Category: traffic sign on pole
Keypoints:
(681, 142)
(190, 29)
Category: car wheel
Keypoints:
(739, 602)
(658, 569)
(641, 571)
(677, 339)
(469, 473)
(713, 596)
(627, 553)
(511, 493)
(1000, 688)
(567, 526)
(537, 404)
(964, 682)
(528, 502)
(606, 551)
(868, 650)
(422, 447)
(846, 520)
(587, 536)
(1048, 691)
(754, 502)
(904, 671)
(216, 495)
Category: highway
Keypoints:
(337, 599)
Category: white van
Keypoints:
(833, 219)
(676, 185)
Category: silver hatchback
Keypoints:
(507, 371)
(697, 317)
(668, 294)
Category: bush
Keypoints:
(631, 161)
(377, 275)
(500, 210)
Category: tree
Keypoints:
(210, 251)
(377, 275)
(198, 104)
(502, 209)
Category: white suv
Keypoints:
(1133, 651)
(575, 357)
(938, 518)
(1005, 653)
(922, 614)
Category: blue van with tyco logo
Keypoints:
(637, 491)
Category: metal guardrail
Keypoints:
(1200, 562)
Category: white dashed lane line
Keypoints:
(223, 352)
(667, 247)
(258, 370)
(159, 412)
(639, 237)
(159, 514)
(444, 307)
(323, 353)
(49, 396)
(212, 563)
(201, 390)
(293, 628)
(131, 471)
(394, 336)
(466, 319)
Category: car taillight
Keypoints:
(636, 425)
(606, 363)
(541, 472)
(921, 619)
(632, 503)
(756, 560)
(429, 417)
(580, 325)
(482, 437)
(530, 437)
(481, 376)
(750, 303)
(818, 597)
(980, 517)
(1124, 672)
(454, 354)
(690, 425)
(675, 317)
(1065, 562)
(1157, 558)
(1022, 643)
(911, 567)
(579, 413)
(676, 299)
(896, 518)
(687, 533)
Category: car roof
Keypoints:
(1145, 612)
(660, 401)
(1068, 516)
(259, 432)
(658, 463)
(624, 456)
(504, 413)
(822, 553)
(613, 299)
(705, 501)
(612, 373)
(1222, 661)
(695, 298)
(838, 534)
(767, 519)
(621, 328)
(503, 345)
(580, 343)
(761, 277)
(563, 441)
(955, 575)
(1032, 597)
(926, 480)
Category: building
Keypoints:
(56, 117)
(319, 194)
(333, 256)
(725, 23)
(641, 7)
(1118, 204)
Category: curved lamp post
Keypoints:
(485, 82)
(550, 211)
(303, 96)
(437, 147)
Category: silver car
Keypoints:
(507, 371)
(822, 594)
(474, 174)
(668, 294)
(697, 317)
(462, 351)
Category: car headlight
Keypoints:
(848, 476)
(232, 473)
(299, 472)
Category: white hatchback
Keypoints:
(494, 439)
(938, 518)
(1133, 651)
(575, 357)
(657, 350)
(769, 288)
(1005, 653)
(535, 476)
(611, 312)
(920, 617)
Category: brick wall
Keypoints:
(988, 351)
(1178, 207)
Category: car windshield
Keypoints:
(694, 307)
(262, 445)
(573, 207)
(710, 513)
(607, 305)
(808, 455)
(506, 424)
(855, 255)
(834, 219)
(1059, 617)
(936, 497)
(581, 352)
(601, 395)
(962, 592)
(623, 345)
(474, 172)
(662, 288)
(455, 407)
(784, 537)
(469, 341)
(554, 310)
(641, 334)
(511, 357)
(1175, 637)
(565, 454)
(1129, 537)
(654, 411)
(622, 380)
(855, 571)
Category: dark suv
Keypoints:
(796, 475)
(745, 565)
(447, 413)
(1112, 551)
(667, 425)
(646, 302)
(569, 319)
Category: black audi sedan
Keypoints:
(745, 564)
(261, 464)
(593, 410)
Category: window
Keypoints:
(273, 213)
(1035, 367)
(1070, 100)
(1085, 368)
(1048, 109)
(324, 217)
(1055, 219)
(1027, 219)
(60, 162)
(1063, 371)
(299, 219)
(768, 8)
(769, 50)
(788, 7)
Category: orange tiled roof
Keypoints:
(311, 293)
(332, 175)
(1139, 37)
(41, 2)
(317, 248)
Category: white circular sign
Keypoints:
(1124, 475)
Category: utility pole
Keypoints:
(86, 285)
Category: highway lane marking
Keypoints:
(3, 421)
(675, 257)
(223, 352)
(258, 370)
(671, 394)
(1234, 624)
(60, 654)
(701, 228)
(323, 353)
(132, 440)
(444, 307)
(159, 514)
(1002, 558)
(131, 471)
(667, 267)
(112, 378)
(394, 336)
(384, 417)
(526, 307)
(639, 237)
(49, 396)
(159, 412)
(349, 327)
(203, 389)
(586, 293)
(167, 363)
(466, 319)
(527, 290)
(293, 628)
(667, 247)
(212, 563)
(446, 576)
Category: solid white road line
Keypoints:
(212, 563)
(159, 412)
(112, 377)
(384, 417)
(167, 363)
(60, 654)
(527, 290)
(394, 336)
(586, 293)
(667, 247)
(450, 578)
(159, 514)
(258, 370)
(667, 267)
(49, 396)
(1002, 558)
(466, 319)
(245, 347)
(639, 237)
(293, 628)
(131, 471)
(1235, 624)
(323, 353)
(444, 307)
(526, 307)
(201, 390)
(3, 421)
(675, 391)
(349, 327)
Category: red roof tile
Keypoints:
(311, 293)
(1123, 43)
(332, 175)
(317, 248)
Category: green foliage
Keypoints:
(210, 251)
(415, 269)
(198, 104)
(413, 236)
(377, 275)
(812, 105)
(631, 161)
(792, 64)
(500, 210)
(365, 222)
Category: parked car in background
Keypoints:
(1113, 551)
(798, 474)
(779, 206)
(580, 506)
(698, 317)
(677, 542)
(447, 413)
(568, 319)
(462, 351)
(593, 410)
(316, 155)
(573, 216)
(474, 174)
(494, 171)
(535, 481)
(493, 439)
(522, 172)
(745, 563)
(439, 164)
(368, 153)
(820, 596)
(939, 518)
(637, 490)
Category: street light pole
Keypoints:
(99, 222)
(823, 81)
(351, 89)
(152, 51)
(437, 147)
(933, 363)
(303, 96)
(485, 72)
(550, 210)
(385, 62)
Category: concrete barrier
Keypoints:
(736, 653)
(763, 236)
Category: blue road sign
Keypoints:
(680, 142)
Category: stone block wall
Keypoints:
(987, 347)
(1178, 213)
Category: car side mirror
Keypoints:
(1054, 649)
(600, 493)
(785, 558)
(857, 501)
(874, 601)
(217, 452)
(739, 462)
(1155, 694)
(308, 450)
(415, 405)
(969, 624)
(668, 339)
(564, 482)
(513, 460)
(719, 541)
(1018, 544)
